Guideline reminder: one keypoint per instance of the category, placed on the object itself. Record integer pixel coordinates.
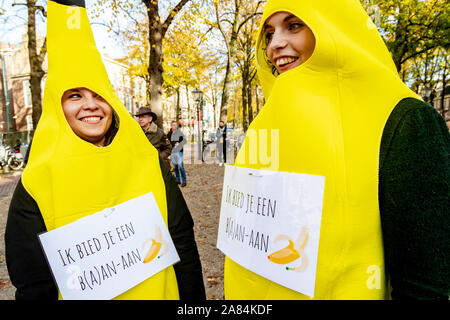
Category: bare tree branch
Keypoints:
(42, 10)
(116, 32)
(247, 19)
(172, 15)
(219, 26)
(42, 51)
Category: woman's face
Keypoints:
(88, 114)
(290, 42)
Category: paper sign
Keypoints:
(270, 224)
(109, 252)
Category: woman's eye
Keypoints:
(295, 25)
(99, 97)
(268, 36)
(74, 96)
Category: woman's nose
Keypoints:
(90, 103)
(278, 41)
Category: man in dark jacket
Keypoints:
(221, 141)
(155, 135)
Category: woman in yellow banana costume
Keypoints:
(88, 154)
(342, 112)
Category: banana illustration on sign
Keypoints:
(285, 255)
(293, 251)
(155, 248)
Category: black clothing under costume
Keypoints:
(414, 201)
(30, 273)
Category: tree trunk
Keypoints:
(225, 92)
(155, 68)
(231, 52)
(398, 47)
(244, 106)
(250, 104)
(156, 33)
(35, 59)
(444, 84)
(257, 99)
(178, 116)
(191, 128)
(215, 112)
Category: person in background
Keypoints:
(17, 145)
(221, 143)
(156, 136)
(177, 139)
(27, 153)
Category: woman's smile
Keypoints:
(285, 63)
(91, 119)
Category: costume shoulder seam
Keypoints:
(76, 3)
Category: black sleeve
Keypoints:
(27, 154)
(414, 202)
(25, 260)
(181, 227)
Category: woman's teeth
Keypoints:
(91, 119)
(283, 61)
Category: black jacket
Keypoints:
(159, 140)
(30, 273)
(414, 177)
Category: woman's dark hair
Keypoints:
(113, 128)
(266, 58)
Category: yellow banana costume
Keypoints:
(330, 112)
(70, 178)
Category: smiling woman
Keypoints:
(80, 113)
(89, 115)
(333, 93)
(290, 42)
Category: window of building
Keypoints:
(27, 94)
(29, 119)
(128, 103)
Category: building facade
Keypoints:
(443, 97)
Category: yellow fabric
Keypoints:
(330, 113)
(70, 178)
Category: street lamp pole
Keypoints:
(198, 97)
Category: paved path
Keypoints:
(203, 195)
(7, 184)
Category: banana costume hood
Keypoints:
(70, 178)
(330, 113)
